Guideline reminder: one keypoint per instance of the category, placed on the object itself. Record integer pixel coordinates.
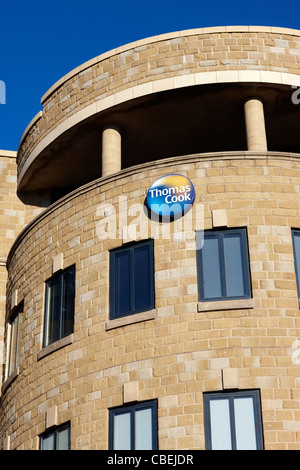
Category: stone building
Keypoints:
(122, 330)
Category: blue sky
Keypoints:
(42, 40)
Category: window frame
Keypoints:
(112, 278)
(297, 268)
(231, 395)
(152, 404)
(13, 363)
(55, 432)
(219, 234)
(48, 284)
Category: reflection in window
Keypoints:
(59, 308)
(233, 421)
(15, 339)
(223, 266)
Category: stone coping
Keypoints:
(169, 36)
(8, 153)
(163, 163)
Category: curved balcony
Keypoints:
(170, 95)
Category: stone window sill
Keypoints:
(225, 305)
(130, 319)
(61, 343)
(10, 380)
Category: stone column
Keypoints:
(255, 125)
(111, 150)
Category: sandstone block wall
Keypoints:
(181, 352)
(134, 69)
(14, 215)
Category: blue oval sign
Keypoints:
(171, 195)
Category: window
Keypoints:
(223, 266)
(296, 246)
(233, 421)
(15, 339)
(59, 306)
(58, 439)
(131, 279)
(133, 427)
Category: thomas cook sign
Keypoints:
(171, 196)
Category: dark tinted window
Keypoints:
(131, 279)
(59, 308)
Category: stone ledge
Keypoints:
(225, 305)
(10, 379)
(130, 319)
(61, 343)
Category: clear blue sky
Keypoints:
(42, 40)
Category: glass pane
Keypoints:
(142, 278)
(19, 336)
(48, 442)
(53, 312)
(297, 258)
(122, 431)
(143, 429)
(13, 345)
(211, 268)
(122, 283)
(68, 303)
(220, 424)
(244, 424)
(234, 272)
(63, 439)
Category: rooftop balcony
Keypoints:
(175, 94)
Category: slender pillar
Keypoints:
(255, 125)
(111, 150)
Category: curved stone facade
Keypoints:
(183, 348)
(166, 62)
